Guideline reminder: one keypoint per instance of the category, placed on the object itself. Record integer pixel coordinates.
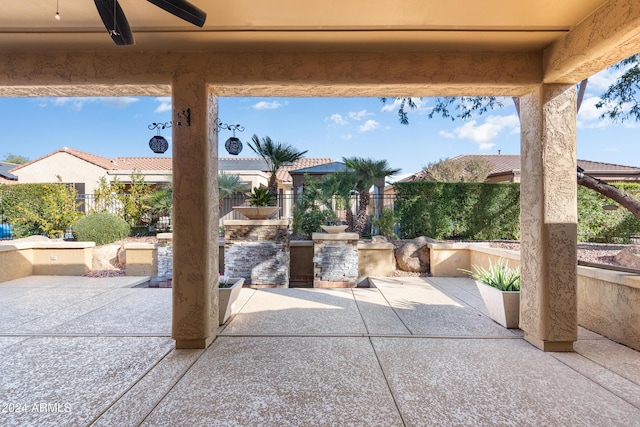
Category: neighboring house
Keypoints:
(84, 170)
(5, 176)
(506, 168)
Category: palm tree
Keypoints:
(275, 154)
(366, 172)
(341, 185)
(229, 184)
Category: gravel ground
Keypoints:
(600, 253)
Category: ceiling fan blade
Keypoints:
(183, 10)
(117, 28)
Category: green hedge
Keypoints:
(488, 211)
(101, 228)
(460, 210)
(45, 209)
(598, 225)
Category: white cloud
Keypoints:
(118, 101)
(77, 103)
(346, 137)
(165, 104)
(358, 115)
(368, 126)
(266, 105)
(588, 110)
(484, 134)
(337, 119)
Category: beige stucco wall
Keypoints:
(70, 169)
(16, 263)
(446, 259)
(375, 259)
(608, 301)
(141, 259)
(609, 304)
(62, 261)
(45, 258)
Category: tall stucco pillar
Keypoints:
(195, 210)
(548, 210)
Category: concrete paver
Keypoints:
(412, 351)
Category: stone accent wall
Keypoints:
(165, 262)
(258, 251)
(335, 260)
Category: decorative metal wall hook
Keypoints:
(187, 115)
(233, 144)
(158, 144)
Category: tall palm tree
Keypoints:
(276, 154)
(366, 172)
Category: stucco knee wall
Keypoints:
(45, 258)
(608, 301)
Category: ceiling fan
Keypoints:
(117, 25)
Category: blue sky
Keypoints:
(326, 127)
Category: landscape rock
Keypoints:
(122, 256)
(379, 239)
(629, 256)
(413, 255)
(105, 258)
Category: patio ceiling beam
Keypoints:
(605, 37)
(273, 74)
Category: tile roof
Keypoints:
(4, 171)
(165, 163)
(306, 162)
(322, 169)
(511, 162)
(504, 163)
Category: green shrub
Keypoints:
(598, 225)
(101, 228)
(458, 210)
(44, 209)
(385, 223)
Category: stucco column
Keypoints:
(548, 224)
(195, 210)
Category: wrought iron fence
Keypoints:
(286, 203)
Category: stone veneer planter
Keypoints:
(258, 251)
(335, 260)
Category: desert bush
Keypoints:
(43, 209)
(101, 228)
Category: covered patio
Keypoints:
(536, 50)
(413, 351)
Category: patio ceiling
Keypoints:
(410, 25)
(499, 47)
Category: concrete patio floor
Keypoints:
(413, 351)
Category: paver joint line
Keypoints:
(386, 380)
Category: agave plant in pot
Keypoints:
(499, 287)
(261, 204)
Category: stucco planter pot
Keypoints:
(503, 307)
(334, 229)
(257, 212)
(227, 297)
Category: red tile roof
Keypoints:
(165, 163)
